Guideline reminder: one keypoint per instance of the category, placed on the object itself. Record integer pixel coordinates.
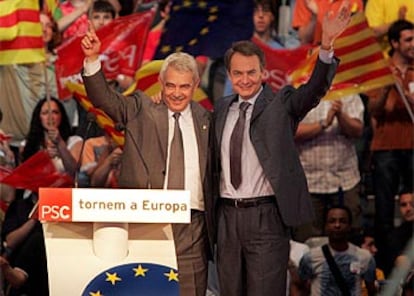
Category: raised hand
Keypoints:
(157, 98)
(90, 44)
(53, 135)
(334, 24)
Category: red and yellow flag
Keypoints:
(362, 67)
(102, 119)
(20, 32)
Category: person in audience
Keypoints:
(295, 286)
(107, 169)
(366, 240)
(325, 139)
(401, 235)
(50, 130)
(74, 17)
(382, 13)
(52, 38)
(28, 275)
(101, 13)
(264, 16)
(93, 149)
(353, 263)
(391, 109)
(308, 16)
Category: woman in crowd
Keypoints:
(50, 131)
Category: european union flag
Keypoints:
(135, 279)
(206, 27)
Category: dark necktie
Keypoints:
(176, 167)
(236, 143)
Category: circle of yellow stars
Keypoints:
(212, 17)
(139, 271)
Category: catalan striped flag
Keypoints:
(102, 119)
(20, 32)
(362, 67)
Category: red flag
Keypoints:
(123, 42)
(38, 171)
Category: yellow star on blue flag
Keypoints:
(206, 27)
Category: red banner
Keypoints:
(280, 63)
(123, 42)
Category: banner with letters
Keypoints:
(111, 255)
(122, 47)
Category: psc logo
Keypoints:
(55, 204)
(55, 213)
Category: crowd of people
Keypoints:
(276, 178)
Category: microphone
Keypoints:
(90, 118)
(121, 127)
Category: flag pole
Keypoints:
(405, 101)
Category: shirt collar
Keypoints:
(185, 113)
(251, 100)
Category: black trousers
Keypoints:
(252, 251)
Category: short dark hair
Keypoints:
(395, 30)
(246, 48)
(269, 4)
(341, 207)
(162, 4)
(103, 6)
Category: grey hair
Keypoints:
(180, 61)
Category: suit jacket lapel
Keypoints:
(201, 127)
(261, 103)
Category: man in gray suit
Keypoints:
(263, 188)
(151, 132)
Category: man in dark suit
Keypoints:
(263, 188)
(151, 132)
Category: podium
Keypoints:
(112, 241)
